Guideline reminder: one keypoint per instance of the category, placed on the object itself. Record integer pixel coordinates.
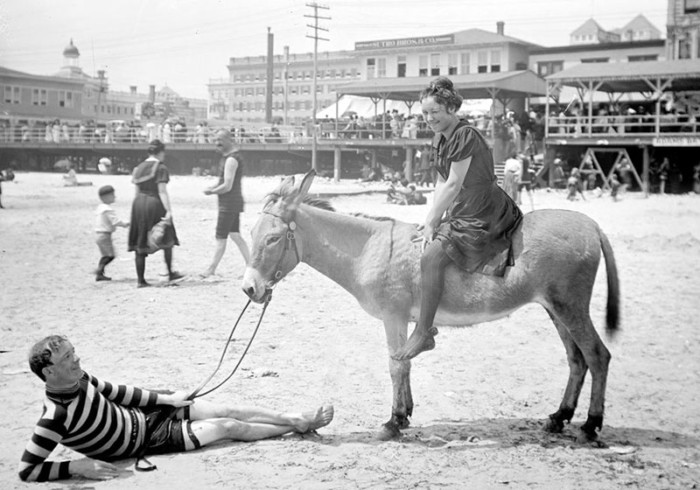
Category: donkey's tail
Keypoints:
(612, 317)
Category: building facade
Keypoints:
(683, 29)
(73, 96)
(241, 97)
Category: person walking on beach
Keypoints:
(107, 222)
(480, 220)
(150, 206)
(230, 197)
(106, 422)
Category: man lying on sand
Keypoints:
(108, 422)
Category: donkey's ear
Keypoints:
(306, 183)
(286, 187)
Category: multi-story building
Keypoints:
(683, 29)
(242, 96)
(71, 96)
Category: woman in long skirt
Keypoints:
(151, 206)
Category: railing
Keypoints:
(621, 126)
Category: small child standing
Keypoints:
(106, 223)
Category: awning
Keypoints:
(509, 84)
(642, 76)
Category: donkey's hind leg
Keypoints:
(574, 316)
(577, 374)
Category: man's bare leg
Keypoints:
(242, 246)
(296, 421)
(218, 255)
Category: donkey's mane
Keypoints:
(319, 203)
(316, 202)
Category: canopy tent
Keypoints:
(368, 108)
(643, 76)
(363, 107)
(507, 84)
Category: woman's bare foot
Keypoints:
(313, 420)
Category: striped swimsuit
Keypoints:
(98, 419)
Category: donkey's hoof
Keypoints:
(587, 439)
(553, 425)
(389, 432)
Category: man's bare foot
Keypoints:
(313, 420)
(206, 274)
(419, 341)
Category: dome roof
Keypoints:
(71, 50)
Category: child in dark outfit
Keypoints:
(105, 225)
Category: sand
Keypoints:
(480, 398)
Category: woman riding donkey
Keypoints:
(476, 232)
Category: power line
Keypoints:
(316, 38)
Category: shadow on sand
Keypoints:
(507, 433)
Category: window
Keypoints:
(545, 68)
(401, 66)
(452, 68)
(495, 61)
(684, 47)
(381, 67)
(371, 68)
(483, 61)
(435, 64)
(260, 91)
(423, 65)
(643, 57)
(691, 6)
(305, 89)
(464, 61)
(12, 95)
(65, 99)
(595, 60)
(39, 97)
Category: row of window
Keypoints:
(115, 109)
(545, 68)
(298, 105)
(431, 64)
(262, 91)
(297, 75)
(12, 94)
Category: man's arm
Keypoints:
(131, 396)
(230, 167)
(48, 433)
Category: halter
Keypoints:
(289, 243)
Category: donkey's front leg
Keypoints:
(396, 327)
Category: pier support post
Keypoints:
(336, 164)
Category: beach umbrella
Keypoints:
(64, 164)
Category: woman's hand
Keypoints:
(168, 218)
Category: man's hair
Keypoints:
(40, 354)
(225, 132)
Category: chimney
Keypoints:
(132, 89)
(500, 27)
(152, 93)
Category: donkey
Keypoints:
(556, 252)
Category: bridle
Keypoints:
(290, 243)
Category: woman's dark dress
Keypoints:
(480, 222)
(147, 208)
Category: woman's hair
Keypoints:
(155, 147)
(444, 93)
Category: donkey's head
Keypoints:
(276, 249)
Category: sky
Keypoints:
(186, 43)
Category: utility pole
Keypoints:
(316, 38)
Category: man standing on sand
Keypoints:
(230, 200)
(107, 422)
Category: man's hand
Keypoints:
(93, 469)
(177, 399)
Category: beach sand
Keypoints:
(481, 397)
